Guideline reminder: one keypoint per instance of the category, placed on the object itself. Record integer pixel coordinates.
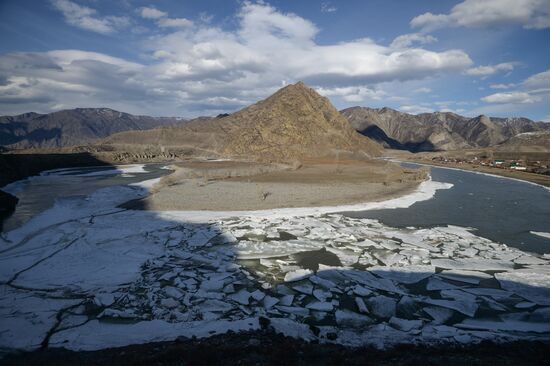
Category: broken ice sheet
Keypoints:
(532, 284)
(464, 306)
(473, 264)
(439, 314)
(472, 277)
(297, 275)
(193, 279)
(407, 274)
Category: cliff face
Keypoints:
(436, 131)
(293, 123)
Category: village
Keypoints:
(530, 166)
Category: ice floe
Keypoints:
(541, 234)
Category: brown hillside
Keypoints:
(293, 123)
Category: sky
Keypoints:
(188, 58)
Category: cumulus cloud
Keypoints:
(502, 86)
(511, 97)
(162, 18)
(174, 22)
(531, 14)
(535, 88)
(407, 40)
(208, 68)
(423, 90)
(415, 109)
(540, 81)
(328, 8)
(353, 94)
(151, 13)
(490, 69)
(88, 18)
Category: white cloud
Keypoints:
(88, 18)
(511, 98)
(502, 86)
(422, 90)
(152, 13)
(353, 94)
(164, 21)
(490, 69)
(328, 8)
(415, 109)
(538, 81)
(531, 14)
(407, 40)
(174, 22)
(535, 88)
(204, 67)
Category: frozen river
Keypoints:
(503, 210)
(39, 193)
(85, 274)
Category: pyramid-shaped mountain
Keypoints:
(295, 122)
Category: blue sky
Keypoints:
(189, 58)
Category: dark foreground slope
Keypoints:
(263, 348)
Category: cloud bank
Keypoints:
(198, 68)
(531, 14)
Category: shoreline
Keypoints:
(425, 191)
(241, 187)
(469, 171)
(525, 177)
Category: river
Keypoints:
(503, 210)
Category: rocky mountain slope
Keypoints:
(294, 122)
(436, 131)
(527, 142)
(71, 127)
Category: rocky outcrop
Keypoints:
(7, 206)
(436, 131)
(536, 142)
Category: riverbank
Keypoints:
(426, 158)
(245, 186)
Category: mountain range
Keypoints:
(436, 131)
(294, 122)
(71, 127)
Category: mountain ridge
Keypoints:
(71, 127)
(438, 130)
